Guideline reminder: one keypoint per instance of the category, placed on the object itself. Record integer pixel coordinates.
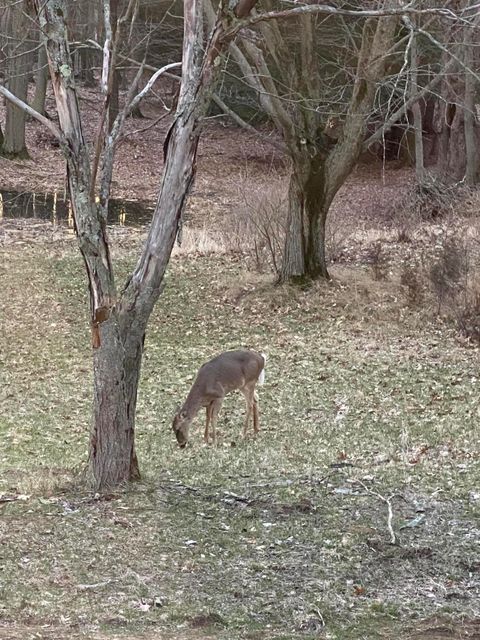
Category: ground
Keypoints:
(354, 514)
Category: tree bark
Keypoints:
(304, 252)
(119, 323)
(114, 104)
(293, 266)
(112, 445)
(470, 129)
(41, 79)
(18, 68)
(417, 113)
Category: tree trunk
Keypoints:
(315, 254)
(116, 368)
(304, 253)
(41, 78)
(293, 266)
(417, 113)
(18, 70)
(113, 103)
(112, 441)
(470, 130)
(451, 153)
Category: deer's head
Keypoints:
(180, 426)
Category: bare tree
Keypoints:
(299, 82)
(119, 318)
(456, 122)
(324, 81)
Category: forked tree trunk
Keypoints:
(119, 322)
(323, 164)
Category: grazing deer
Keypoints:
(231, 370)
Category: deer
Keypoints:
(227, 372)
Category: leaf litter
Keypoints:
(270, 538)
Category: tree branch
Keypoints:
(31, 112)
(337, 11)
(150, 83)
(245, 125)
(406, 105)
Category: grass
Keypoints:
(282, 537)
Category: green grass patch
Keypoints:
(365, 405)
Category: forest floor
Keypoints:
(356, 511)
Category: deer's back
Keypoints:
(228, 371)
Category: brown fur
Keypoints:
(215, 379)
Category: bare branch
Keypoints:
(245, 125)
(150, 83)
(338, 11)
(31, 112)
(394, 118)
(449, 53)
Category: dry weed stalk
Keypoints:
(388, 502)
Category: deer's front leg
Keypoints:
(207, 423)
(215, 410)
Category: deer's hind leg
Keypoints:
(256, 425)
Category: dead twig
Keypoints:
(388, 502)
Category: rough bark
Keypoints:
(294, 253)
(18, 68)
(470, 129)
(112, 445)
(119, 323)
(304, 252)
(417, 113)
(41, 79)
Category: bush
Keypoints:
(263, 220)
